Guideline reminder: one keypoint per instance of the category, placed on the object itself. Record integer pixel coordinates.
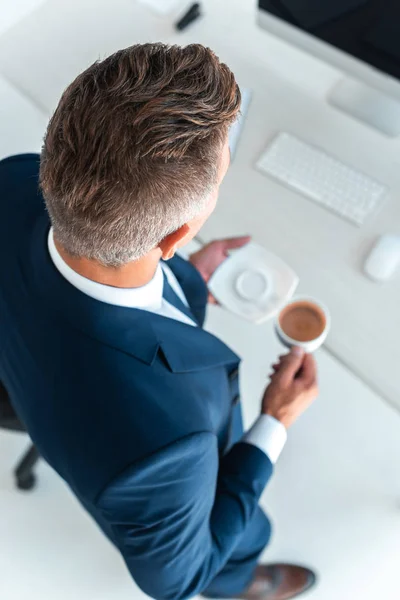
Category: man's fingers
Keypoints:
(308, 373)
(290, 365)
(275, 369)
(236, 242)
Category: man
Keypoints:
(102, 349)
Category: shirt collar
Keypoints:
(148, 296)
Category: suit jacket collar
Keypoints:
(136, 332)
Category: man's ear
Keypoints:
(173, 241)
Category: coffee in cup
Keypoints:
(303, 322)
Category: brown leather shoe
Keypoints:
(279, 582)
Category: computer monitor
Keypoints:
(359, 37)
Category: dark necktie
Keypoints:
(170, 296)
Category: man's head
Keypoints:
(136, 150)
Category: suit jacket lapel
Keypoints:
(188, 348)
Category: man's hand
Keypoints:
(209, 258)
(293, 387)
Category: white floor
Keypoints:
(335, 496)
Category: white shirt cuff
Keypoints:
(269, 435)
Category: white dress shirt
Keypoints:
(267, 434)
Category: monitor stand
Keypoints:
(367, 104)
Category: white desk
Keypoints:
(12, 12)
(326, 251)
(22, 125)
(289, 90)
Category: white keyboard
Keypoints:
(322, 178)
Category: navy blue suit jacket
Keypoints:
(137, 412)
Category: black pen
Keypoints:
(192, 14)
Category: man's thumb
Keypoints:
(291, 364)
(236, 242)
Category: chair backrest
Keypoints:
(8, 416)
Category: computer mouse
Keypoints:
(384, 258)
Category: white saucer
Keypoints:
(253, 283)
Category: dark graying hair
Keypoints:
(133, 148)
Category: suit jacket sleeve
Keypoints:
(178, 515)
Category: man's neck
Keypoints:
(132, 275)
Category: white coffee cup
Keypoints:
(309, 345)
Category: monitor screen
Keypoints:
(366, 29)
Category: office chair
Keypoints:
(25, 478)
